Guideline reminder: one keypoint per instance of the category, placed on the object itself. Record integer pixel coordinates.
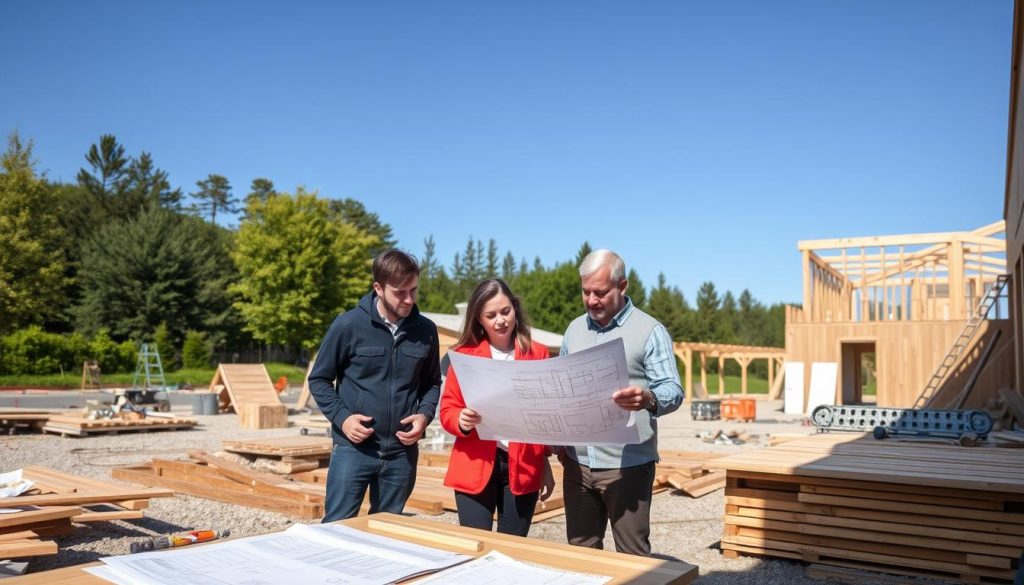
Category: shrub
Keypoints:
(165, 345)
(113, 357)
(34, 351)
(197, 352)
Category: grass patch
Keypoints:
(194, 377)
(732, 384)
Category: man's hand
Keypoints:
(468, 419)
(417, 424)
(356, 428)
(632, 398)
(548, 487)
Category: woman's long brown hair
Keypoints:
(473, 332)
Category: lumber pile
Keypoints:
(77, 425)
(247, 389)
(916, 509)
(55, 501)
(14, 419)
(284, 455)
(692, 472)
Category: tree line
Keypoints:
(120, 253)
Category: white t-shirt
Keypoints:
(507, 356)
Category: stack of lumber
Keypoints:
(284, 455)
(77, 425)
(917, 509)
(247, 389)
(55, 501)
(692, 472)
(30, 419)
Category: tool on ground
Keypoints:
(191, 537)
(882, 422)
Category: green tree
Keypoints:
(552, 297)
(353, 212)
(197, 351)
(144, 184)
(214, 195)
(32, 264)
(157, 267)
(508, 268)
(260, 189)
(298, 268)
(105, 185)
(705, 326)
(668, 305)
(637, 292)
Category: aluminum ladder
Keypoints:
(962, 341)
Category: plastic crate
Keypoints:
(706, 409)
(739, 409)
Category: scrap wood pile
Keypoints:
(934, 510)
(76, 423)
(55, 501)
(692, 472)
(289, 475)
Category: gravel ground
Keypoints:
(682, 528)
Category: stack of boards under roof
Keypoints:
(247, 389)
(909, 508)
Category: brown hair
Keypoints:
(394, 267)
(473, 332)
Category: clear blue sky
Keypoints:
(698, 139)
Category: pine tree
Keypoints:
(214, 195)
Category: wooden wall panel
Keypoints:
(907, 354)
(1014, 203)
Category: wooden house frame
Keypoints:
(1013, 209)
(905, 298)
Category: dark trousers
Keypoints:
(390, 479)
(595, 496)
(514, 512)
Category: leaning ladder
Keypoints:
(962, 340)
(150, 368)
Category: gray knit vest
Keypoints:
(634, 332)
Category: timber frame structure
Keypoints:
(742, 354)
(905, 299)
(1013, 208)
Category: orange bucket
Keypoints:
(739, 409)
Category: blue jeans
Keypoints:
(390, 479)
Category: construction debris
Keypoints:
(57, 499)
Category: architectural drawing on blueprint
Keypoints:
(559, 401)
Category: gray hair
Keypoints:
(601, 258)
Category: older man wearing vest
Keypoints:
(608, 482)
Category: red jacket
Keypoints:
(472, 459)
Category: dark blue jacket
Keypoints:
(362, 369)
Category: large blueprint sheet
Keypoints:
(495, 567)
(565, 400)
(323, 554)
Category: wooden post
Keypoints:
(771, 372)
(903, 288)
(744, 362)
(721, 376)
(807, 283)
(957, 304)
(704, 372)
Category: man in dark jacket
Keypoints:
(377, 378)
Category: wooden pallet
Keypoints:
(79, 426)
(247, 389)
(903, 508)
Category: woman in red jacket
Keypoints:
(489, 475)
